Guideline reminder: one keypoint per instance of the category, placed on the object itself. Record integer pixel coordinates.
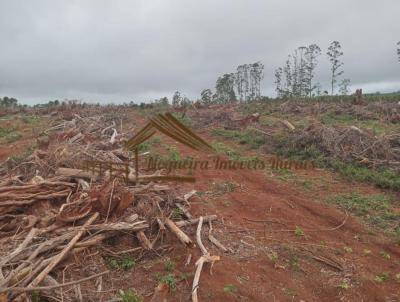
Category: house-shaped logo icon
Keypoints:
(168, 125)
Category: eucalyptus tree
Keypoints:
(313, 51)
(278, 82)
(176, 99)
(256, 75)
(334, 54)
(344, 87)
(206, 96)
(225, 88)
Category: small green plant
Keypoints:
(125, 263)
(177, 214)
(348, 249)
(384, 255)
(169, 280)
(382, 277)
(230, 288)
(169, 265)
(344, 285)
(274, 257)
(130, 296)
(298, 231)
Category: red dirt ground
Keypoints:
(297, 276)
(270, 262)
(259, 219)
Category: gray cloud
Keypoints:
(138, 50)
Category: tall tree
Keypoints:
(206, 96)
(344, 87)
(225, 88)
(334, 53)
(312, 53)
(256, 75)
(278, 82)
(176, 99)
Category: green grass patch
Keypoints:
(250, 138)
(10, 135)
(221, 148)
(151, 142)
(374, 209)
(184, 119)
(30, 119)
(230, 289)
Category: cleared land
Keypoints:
(327, 234)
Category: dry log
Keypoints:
(144, 241)
(288, 125)
(61, 255)
(44, 288)
(76, 138)
(113, 226)
(178, 232)
(198, 237)
(75, 173)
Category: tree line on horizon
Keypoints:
(296, 78)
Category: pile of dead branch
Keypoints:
(70, 142)
(51, 211)
(352, 143)
(44, 224)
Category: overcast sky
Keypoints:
(116, 51)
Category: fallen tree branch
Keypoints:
(178, 232)
(199, 263)
(61, 255)
(45, 288)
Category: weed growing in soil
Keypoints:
(125, 263)
(130, 296)
(169, 265)
(298, 231)
(230, 288)
(348, 249)
(382, 277)
(344, 285)
(169, 280)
